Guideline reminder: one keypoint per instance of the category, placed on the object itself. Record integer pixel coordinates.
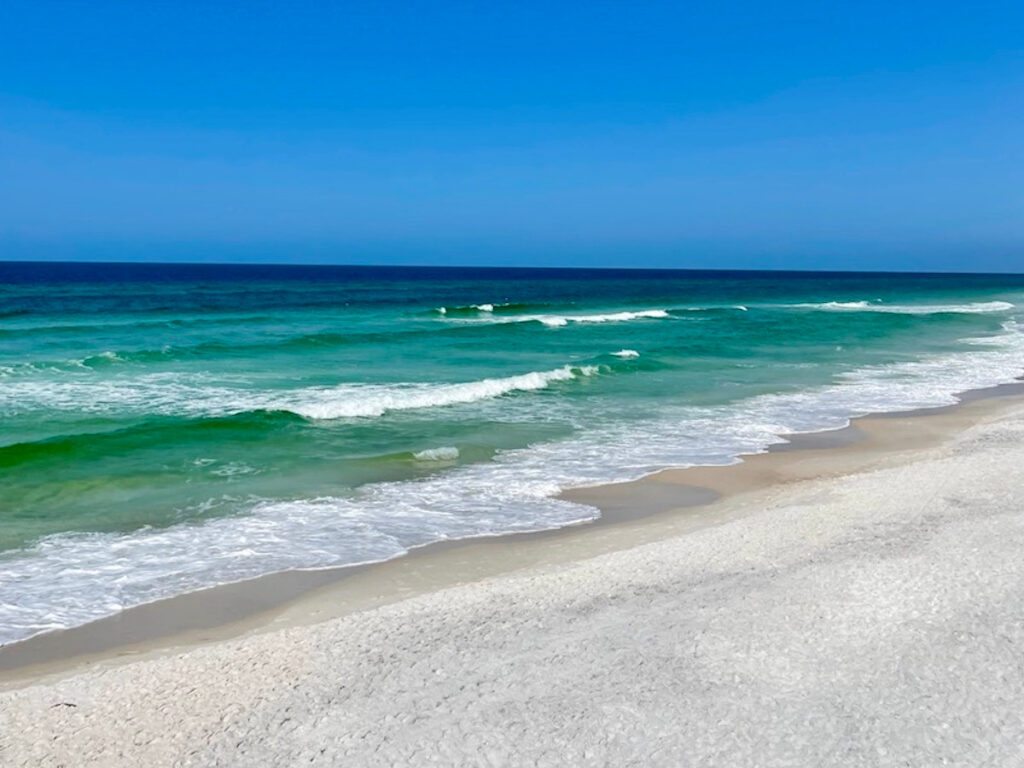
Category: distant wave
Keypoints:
(614, 317)
(481, 317)
(557, 321)
(222, 349)
(485, 307)
(626, 353)
(981, 307)
(715, 308)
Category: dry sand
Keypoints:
(853, 606)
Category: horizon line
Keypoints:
(576, 268)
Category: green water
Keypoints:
(165, 428)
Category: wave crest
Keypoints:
(169, 395)
(351, 401)
(444, 453)
(558, 321)
(980, 307)
(486, 308)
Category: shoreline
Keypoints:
(666, 503)
(857, 605)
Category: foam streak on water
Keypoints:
(165, 394)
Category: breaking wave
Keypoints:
(486, 307)
(981, 307)
(557, 321)
(444, 453)
(349, 401)
(170, 394)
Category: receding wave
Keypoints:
(973, 308)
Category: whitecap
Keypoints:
(981, 307)
(555, 321)
(170, 394)
(349, 401)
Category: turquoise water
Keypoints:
(164, 428)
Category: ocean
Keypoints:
(169, 427)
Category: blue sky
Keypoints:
(786, 135)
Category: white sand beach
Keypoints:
(866, 616)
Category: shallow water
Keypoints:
(164, 428)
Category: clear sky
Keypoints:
(789, 134)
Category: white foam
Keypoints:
(981, 307)
(195, 395)
(444, 453)
(614, 317)
(350, 400)
(712, 308)
(234, 468)
(557, 321)
(487, 307)
(626, 353)
(69, 579)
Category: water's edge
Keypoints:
(230, 610)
